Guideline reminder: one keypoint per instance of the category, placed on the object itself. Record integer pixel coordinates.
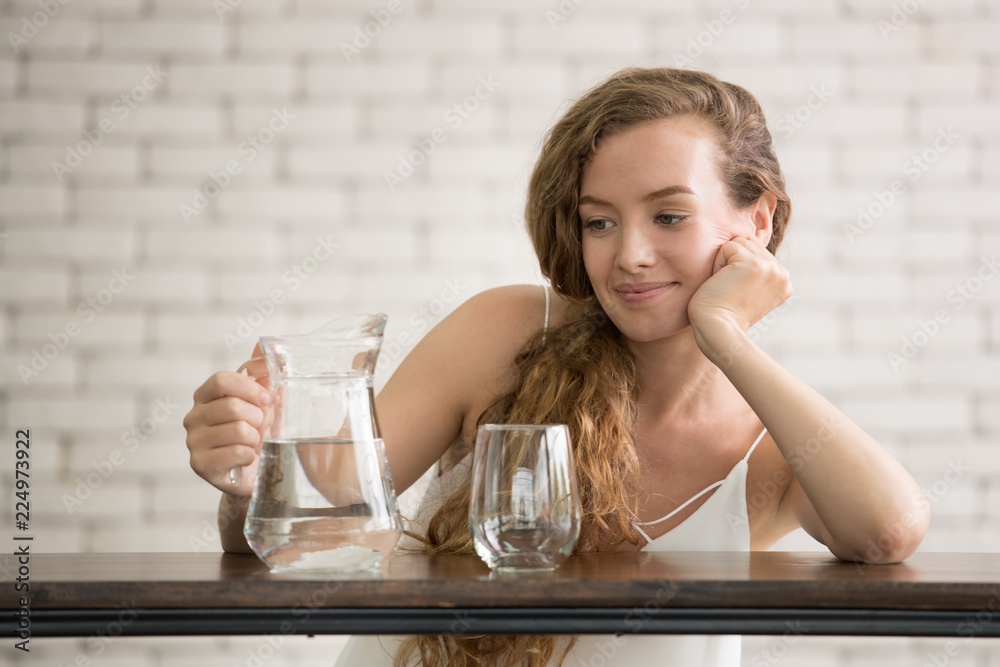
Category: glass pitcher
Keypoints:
(323, 498)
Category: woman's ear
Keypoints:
(761, 214)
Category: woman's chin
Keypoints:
(650, 332)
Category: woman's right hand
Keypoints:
(225, 429)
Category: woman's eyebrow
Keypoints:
(652, 196)
(668, 191)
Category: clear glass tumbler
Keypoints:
(524, 511)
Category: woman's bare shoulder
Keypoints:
(505, 318)
(457, 370)
(487, 333)
(516, 311)
(482, 337)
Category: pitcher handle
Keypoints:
(236, 473)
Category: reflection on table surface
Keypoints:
(711, 579)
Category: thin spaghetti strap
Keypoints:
(755, 444)
(642, 532)
(706, 489)
(686, 502)
(545, 328)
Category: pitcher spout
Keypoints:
(342, 347)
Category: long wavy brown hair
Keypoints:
(584, 375)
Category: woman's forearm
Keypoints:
(860, 493)
(232, 515)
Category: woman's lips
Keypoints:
(642, 292)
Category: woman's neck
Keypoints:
(678, 384)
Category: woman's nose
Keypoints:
(635, 249)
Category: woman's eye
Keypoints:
(597, 224)
(669, 218)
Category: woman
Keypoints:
(655, 208)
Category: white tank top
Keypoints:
(721, 523)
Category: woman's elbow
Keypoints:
(898, 539)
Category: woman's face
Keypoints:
(653, 214)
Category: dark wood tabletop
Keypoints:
(685, 592)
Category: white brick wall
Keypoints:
(457, 219)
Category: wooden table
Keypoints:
(671, 593)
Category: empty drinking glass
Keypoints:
(524, 511)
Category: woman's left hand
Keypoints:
(747, 283)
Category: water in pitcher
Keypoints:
(322, 504)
